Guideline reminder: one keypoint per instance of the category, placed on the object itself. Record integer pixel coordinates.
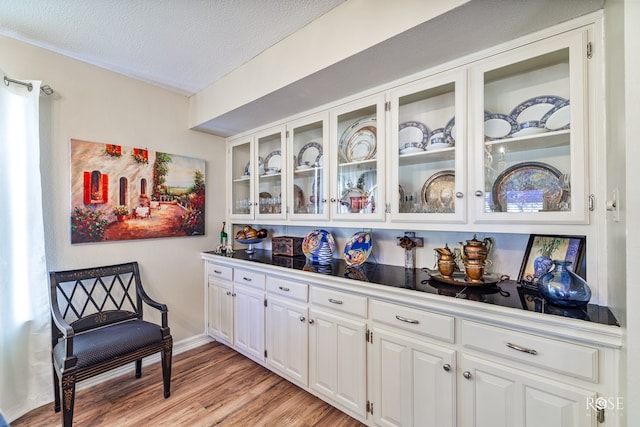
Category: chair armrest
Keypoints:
(65, 329)
(152, 303)
(67, 334)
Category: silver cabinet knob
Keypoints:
(333, 200)
(311, 321)
(479, 193)
(459, 195)
(324, 200)
(446, 367)
(467, 375)
(302, 319)
(228, 292)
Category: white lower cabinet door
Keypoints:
(249, 321)
(288, 339)
(220, 316)
(492, 395)
(337, 360)
(413, 381)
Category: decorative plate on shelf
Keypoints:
(318, 246)
(358, 141)
(247, 168)
(310, 154)
(558, 118)
(358, 248)
(438, 192)
(498, 126)
(413, 132)
(273, 160)
(450, 132)
(528, 187)
(535, 108)
(529, 128)
(437, 140)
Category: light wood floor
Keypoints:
(211, 385)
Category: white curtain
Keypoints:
(25, 361)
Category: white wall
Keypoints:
(97, 105)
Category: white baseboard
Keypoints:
(178, 347)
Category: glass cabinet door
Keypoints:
(358, 160)
(241, 199)
(308, 150)
(530, 141)
(270, 191)
(428, 140)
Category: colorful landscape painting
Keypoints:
(124, 193)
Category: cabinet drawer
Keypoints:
(220, 272)
(286, 288)
(558, 356)
(415, 320)
(341, 301)
(249, 278)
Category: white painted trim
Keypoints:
(179, 347)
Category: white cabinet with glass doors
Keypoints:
(307, 166)
(258, 190)
(427, 150)
(358, 160)
(529, 141)
(500, 140)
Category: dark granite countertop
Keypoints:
(506, 294)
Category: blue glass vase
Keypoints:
(563, 287)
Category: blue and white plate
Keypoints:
(529, 128)
(558, 118)
(358, 248)
(318, 246)
(413, 132)
(498, 126)
(273, 160)
(438, 140)
(450, 132)
(310, 154)
(535, 108)
(247, 168)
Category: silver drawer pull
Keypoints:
(335, 301)
(404, 319)
(217, 271)
(248, 279)
(282, 288)
(522, 349)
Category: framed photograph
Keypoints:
(553, 247)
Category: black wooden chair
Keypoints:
(96, 326)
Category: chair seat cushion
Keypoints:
(100, 345)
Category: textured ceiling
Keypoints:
(181, 45)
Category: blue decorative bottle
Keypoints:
(563, 287)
